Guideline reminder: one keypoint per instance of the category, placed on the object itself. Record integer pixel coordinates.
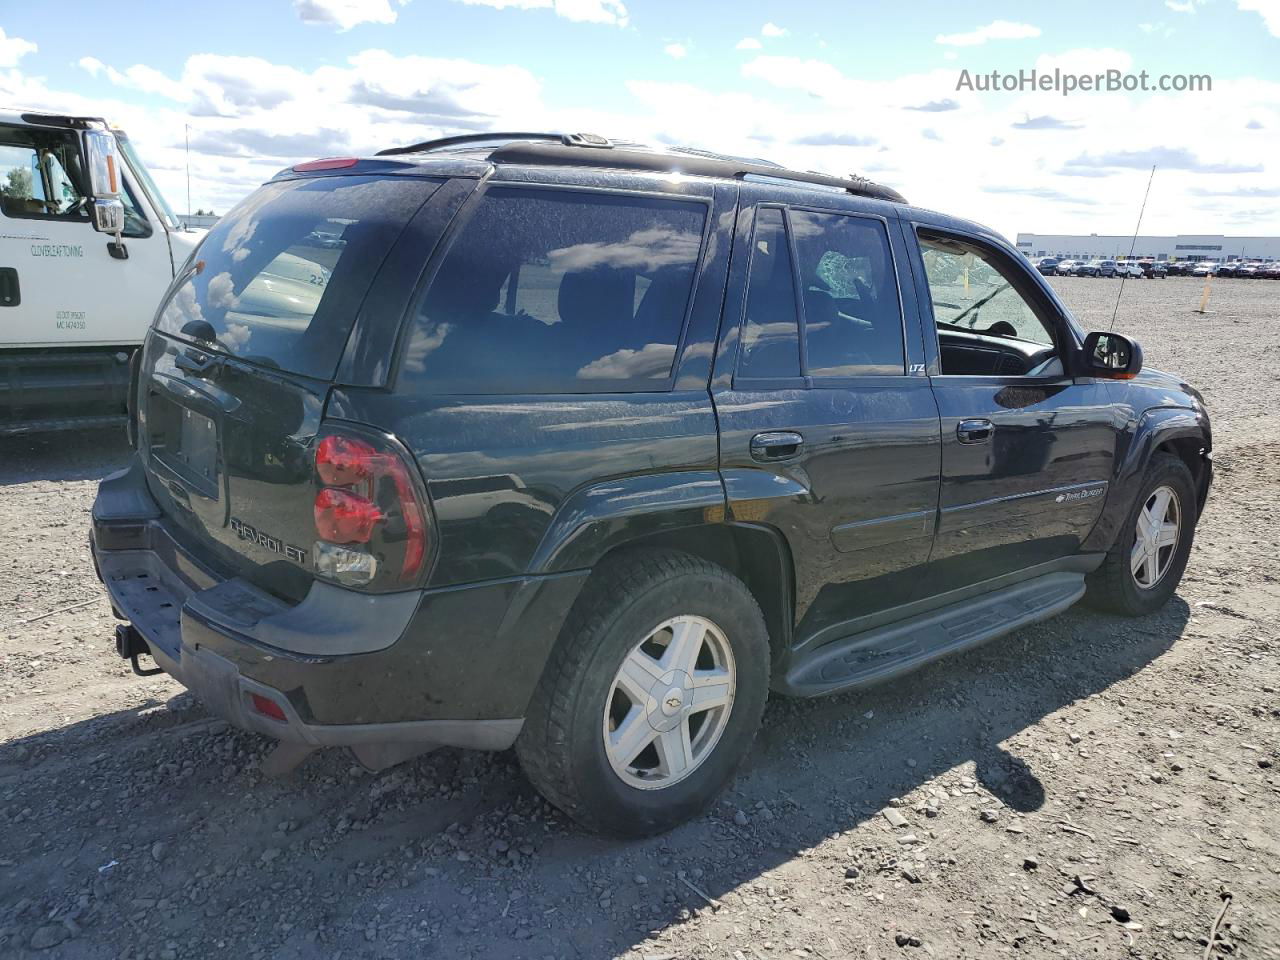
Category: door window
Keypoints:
(554, 291)
(40, 174)
(771, 337)
(985, 325)
(852, 312)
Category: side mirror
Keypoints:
(1111, 356)
(103, 162)
(107, 216)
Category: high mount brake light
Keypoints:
(328, 163)
(367, 506)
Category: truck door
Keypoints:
(827, 433)
(62, 286)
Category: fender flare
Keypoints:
(595, 519)
(1154, 428)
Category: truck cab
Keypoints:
(76, 294)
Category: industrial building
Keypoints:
(1184, 246)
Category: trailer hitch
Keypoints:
(130, 645)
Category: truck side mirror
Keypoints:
(1111, 356)
(108, 216)
(103, 162)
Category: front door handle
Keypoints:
(974, 431)
(781, 445)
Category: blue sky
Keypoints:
(869, 88)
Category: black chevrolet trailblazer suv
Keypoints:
(584, 447)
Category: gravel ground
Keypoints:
(1088, 787)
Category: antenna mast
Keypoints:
(1132, 244)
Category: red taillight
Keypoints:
(415, 546)
(345, 517)
(342, 461)
(268, 707)
(367, 496)
(328, 163)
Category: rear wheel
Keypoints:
(652, 697)
(1146, 563)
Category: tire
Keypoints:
(562, 747)
(1115, 586)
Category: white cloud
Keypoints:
(1269, 10)
(138, 77)
(582, 11)
(222, 292)
(773, 30)
(748, 43)
(13, 49)
(1086, 61)
(345, 14)
(1184, 6)
(995, 30)
(251, 116)
(677, 51)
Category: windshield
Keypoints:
(148, 185)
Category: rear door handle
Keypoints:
(781, 445)
(974, 431)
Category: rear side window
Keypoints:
(770, 338)
(852, 312)
(554, 291)
(279, 280)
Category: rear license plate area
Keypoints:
(187, 443)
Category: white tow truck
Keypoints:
(87, 247)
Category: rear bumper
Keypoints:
(452, 667)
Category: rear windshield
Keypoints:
(279, 279)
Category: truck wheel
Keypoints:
(651, 698)
(1144, 566)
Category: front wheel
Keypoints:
(652, 697)
(1147, 560)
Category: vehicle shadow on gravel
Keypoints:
(455, 854)
(69, 455)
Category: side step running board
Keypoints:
(896, 648)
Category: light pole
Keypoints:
(186, 127)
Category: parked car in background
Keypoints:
(1097, 268)
(1269, 271)
(1205, 268)
(1179, 268)
(1067, 268)
(1229, 269)
(1154, 269)
(1129, 268)
(546, 461)
(1048, 266)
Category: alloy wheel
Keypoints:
(669, 703)
(1156, 537)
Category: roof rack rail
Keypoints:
(443, 143)
(694, 164)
